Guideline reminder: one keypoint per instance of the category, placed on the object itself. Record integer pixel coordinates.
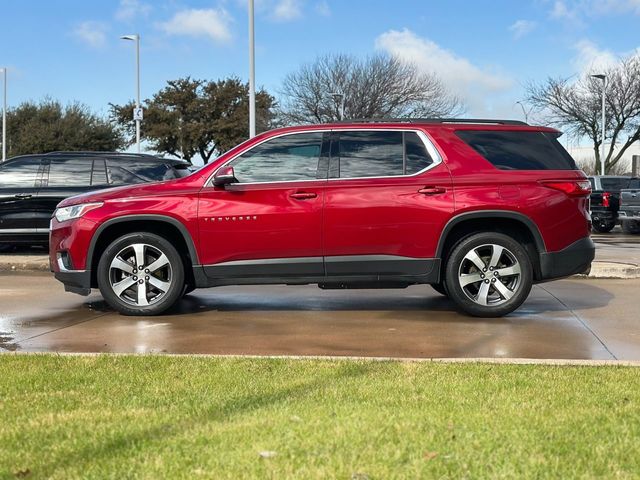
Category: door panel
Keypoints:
(19, 184)
(387, 225)
(270, 222)
(258, 222)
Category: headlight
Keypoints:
(76, 211)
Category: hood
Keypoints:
(130, 191)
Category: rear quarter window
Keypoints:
(516, 150)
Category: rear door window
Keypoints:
(380, 154)
(128, 172)
(70, 172)
(516, 150)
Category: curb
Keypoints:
(24, 263)
(603, 270)
(599, 269)
(560, 362)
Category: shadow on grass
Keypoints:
(219, 413)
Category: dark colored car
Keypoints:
(479, 209)
(605, 200)
(32, 185)
(629, 212)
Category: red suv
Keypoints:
(479, 209)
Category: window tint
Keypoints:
(417, 157)
(70, 172)
(614, 184)
(593, 183)
(634, 183)
(519, 150)
(19, 173)
(127, 171)
(288, 158)
(370, 154)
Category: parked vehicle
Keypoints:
(480, 209)
(32, 185)
(605, 200)
(630, 207)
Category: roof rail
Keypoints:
(485, 121)
(89, 152)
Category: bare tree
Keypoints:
(380, 86)
(575, 106)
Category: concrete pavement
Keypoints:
(568, 319)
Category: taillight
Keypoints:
(606, 199)
(578, 188)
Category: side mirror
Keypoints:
(224, 176)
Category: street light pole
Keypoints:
(4, 113)
(604, 90)
(342, 97)
(252, 74)
(137, 112)
(524, 112)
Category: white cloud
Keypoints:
(286, 10)
(322, 8)
(91, 33)
(575, 11)
(590, 58)
(521, 28)
(128, 10)
(473, 84)
(211, 23)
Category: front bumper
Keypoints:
(576, 258)
(75, 281)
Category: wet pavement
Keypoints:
(568, 319)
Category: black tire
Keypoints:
(441, 288)
(603, 227)
(483, 297)
(631, 226)
(161, 288)
(188, 288)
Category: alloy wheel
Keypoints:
(140, 274)
(489, 275)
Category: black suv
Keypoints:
(32, 185)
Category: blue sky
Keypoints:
(483, 50)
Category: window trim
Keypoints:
(429, 145)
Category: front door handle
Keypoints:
(432, 190)
(23, 195)
(303, 195)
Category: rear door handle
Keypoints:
(23, 195)
(432, 190)
(303, 195)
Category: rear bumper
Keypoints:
(576, 258)
(629, 215)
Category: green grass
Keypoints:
(183, 417)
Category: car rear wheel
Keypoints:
(141, 274)
(603, 227)
(488, 275)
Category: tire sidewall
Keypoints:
(177, 266)
(458, 295)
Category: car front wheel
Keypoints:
(489, 275)
(141, 274)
